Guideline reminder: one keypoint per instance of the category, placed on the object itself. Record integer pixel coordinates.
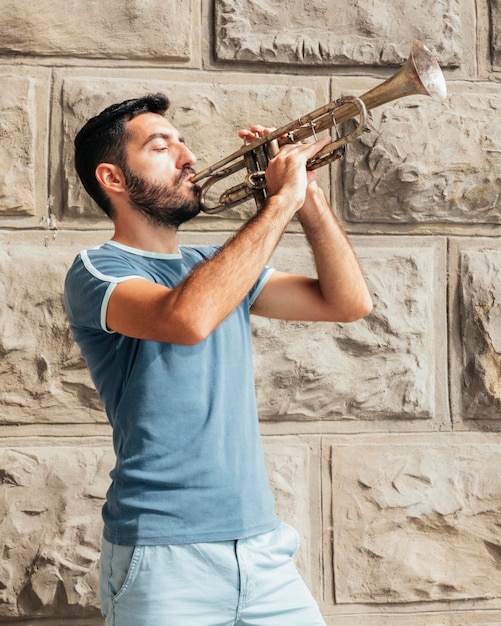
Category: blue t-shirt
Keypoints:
(189, 462)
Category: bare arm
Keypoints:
(339, 293)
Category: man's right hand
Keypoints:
(286, 173)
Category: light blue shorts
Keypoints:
(249, 582)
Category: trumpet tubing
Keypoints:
(420, 75)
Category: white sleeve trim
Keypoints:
(113, 280)
(104, 308)
(262, 283)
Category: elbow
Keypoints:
(357, 311)
(189, 340)
(190, 331)
(366, 307)
(189, 325)
(190, 336)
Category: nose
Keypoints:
(186, 157)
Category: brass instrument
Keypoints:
(420, 75)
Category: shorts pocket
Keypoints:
(292, 538)
(128, 572)
(118, 569)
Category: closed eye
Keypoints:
(157, 141)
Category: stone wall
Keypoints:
(382, 436)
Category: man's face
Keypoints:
(158, 172)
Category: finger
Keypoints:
(306, 149)
(261, 130)
(246, 134)
(309, 150)
(317, 145)
(256, 130)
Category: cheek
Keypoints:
(162, 168)
(156, 170)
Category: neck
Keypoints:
(140, 233)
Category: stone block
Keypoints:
(388, 619)
(23, 146)
(495, 33)
(208, 114)
(293, 468)
(51, 543)
(50, 529)
(483, 618)
(335, 33)
(385, 368)
(42, 376)
(425, 162)
(415, 521)
(480, 333)
(77, 29)
(75, 621)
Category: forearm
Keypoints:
(341, 280)
(213, 290)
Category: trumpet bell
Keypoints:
(420, 75)
(428, 72)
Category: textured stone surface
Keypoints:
(388, 619)
(422, 618)
(480, 311)
(74, 28)
(75, 621)
(51, 542)
(478, 619)
(426, 162)
(42, 377)
(416, 521)
(382, 367)
(292, 468)
(50, 526)
(334, 33)
(18, 137)
(495, 7)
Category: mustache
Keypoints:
(186, 172)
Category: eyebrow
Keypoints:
(161, 135)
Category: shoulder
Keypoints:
(107, 263)
(199, 253)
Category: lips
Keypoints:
(186, 175)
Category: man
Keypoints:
(190, 533)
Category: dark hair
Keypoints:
(102, 140)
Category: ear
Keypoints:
(110, 177)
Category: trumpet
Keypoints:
(420, 75)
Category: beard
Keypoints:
(163, 204)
